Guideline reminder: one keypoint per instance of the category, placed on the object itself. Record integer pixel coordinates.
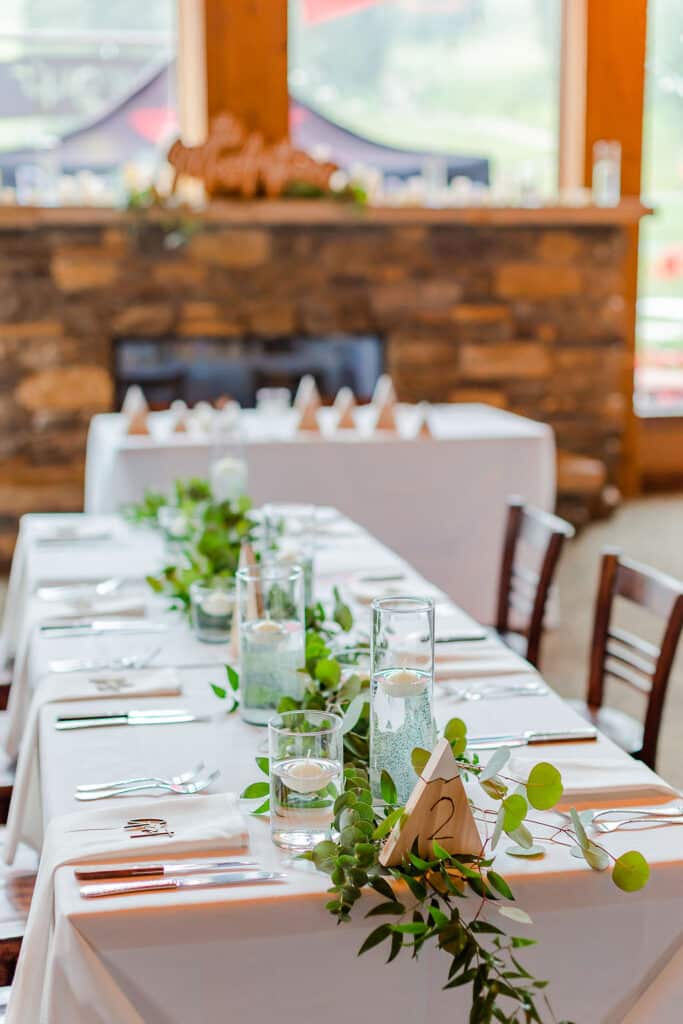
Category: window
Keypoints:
(84, 85)
(471, 78)
(659, 366)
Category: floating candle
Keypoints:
(267, 631)
(306, 774)
(217, 603)
(402, 682)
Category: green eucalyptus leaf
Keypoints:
(354, 711)
(498, 827)
(255, 791)
(233, 678)
(496, 762)
(595, 857)
(388, 788)
(631, 871)
(515, 809)
(219, 691)
(515, 914)
(264, 764)
(498, 883)
(262, 808)
(544, 786)
(419, 758)
(581, 837)
(522, 836)
(494, 788)
(374, 938)
(386, 825)
(328, 671)
(526, 851)
(456, 734)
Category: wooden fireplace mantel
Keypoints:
(330, 212)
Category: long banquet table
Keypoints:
(477, 457)
(274, 953)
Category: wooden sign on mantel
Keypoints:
(437, 811)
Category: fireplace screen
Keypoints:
(196, 369)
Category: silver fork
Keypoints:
(633, 823)
(176, 780)
(80, 665)
(186, 788)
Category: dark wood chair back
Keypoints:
(521, 589)
(620, 654)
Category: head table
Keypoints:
(477, 457)
(273, 953)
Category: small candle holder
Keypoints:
(176, 528)
(212, 607)
(306, 753)
(228, 471)
(402, 689)
(272, 638)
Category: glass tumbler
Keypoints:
(402, 689)
(272, 638)
(306, 776)
(212, 606)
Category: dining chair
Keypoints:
(620, 654)
(523, 592)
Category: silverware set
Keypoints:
(74, 591)
(114, 664)
(530, 737)
(154, 716)
(101, 627)
(186, 783)
(495, 691)
(629, 819)
(176, 882)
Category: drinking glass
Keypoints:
(402, 689)
(288, 538)
(272, 638)
(176, 528)
(227, 459)
(306, 776)
(606, 179)
(212, 606)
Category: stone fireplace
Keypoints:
(524, 309)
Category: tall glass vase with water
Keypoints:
(402, 689)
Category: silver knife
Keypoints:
(129, 718)
(171, 884)
(96, 627)
(183, 867)
(532, 736)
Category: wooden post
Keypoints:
(246, 63)
(615, 76)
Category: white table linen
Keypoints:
(163, 959)
(439, 502)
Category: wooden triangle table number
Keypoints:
(437, 811)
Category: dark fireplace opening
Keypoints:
(204, 369)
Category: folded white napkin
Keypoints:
(199, 825)
(596, 780)
(66, 533)
(53, 612)
(465, 670)
(25, 819)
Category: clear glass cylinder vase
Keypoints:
(402, 689)
(271, 638)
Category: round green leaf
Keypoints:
(498, 760)
(631, 871)
(456, 734)
(544, 786)
(419, 758)
(256, 790)
(388, 788)
(515, 808)
(521, 851)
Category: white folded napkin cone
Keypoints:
(345, 403)
(424, 430)
(135, 410)
(386, 417)
(384, 390)
(180, 412)
(308, 420)
(307, 394)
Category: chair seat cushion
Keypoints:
(622, 729)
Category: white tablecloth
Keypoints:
(276, 954)
(440, 502)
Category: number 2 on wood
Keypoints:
(436, 834)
